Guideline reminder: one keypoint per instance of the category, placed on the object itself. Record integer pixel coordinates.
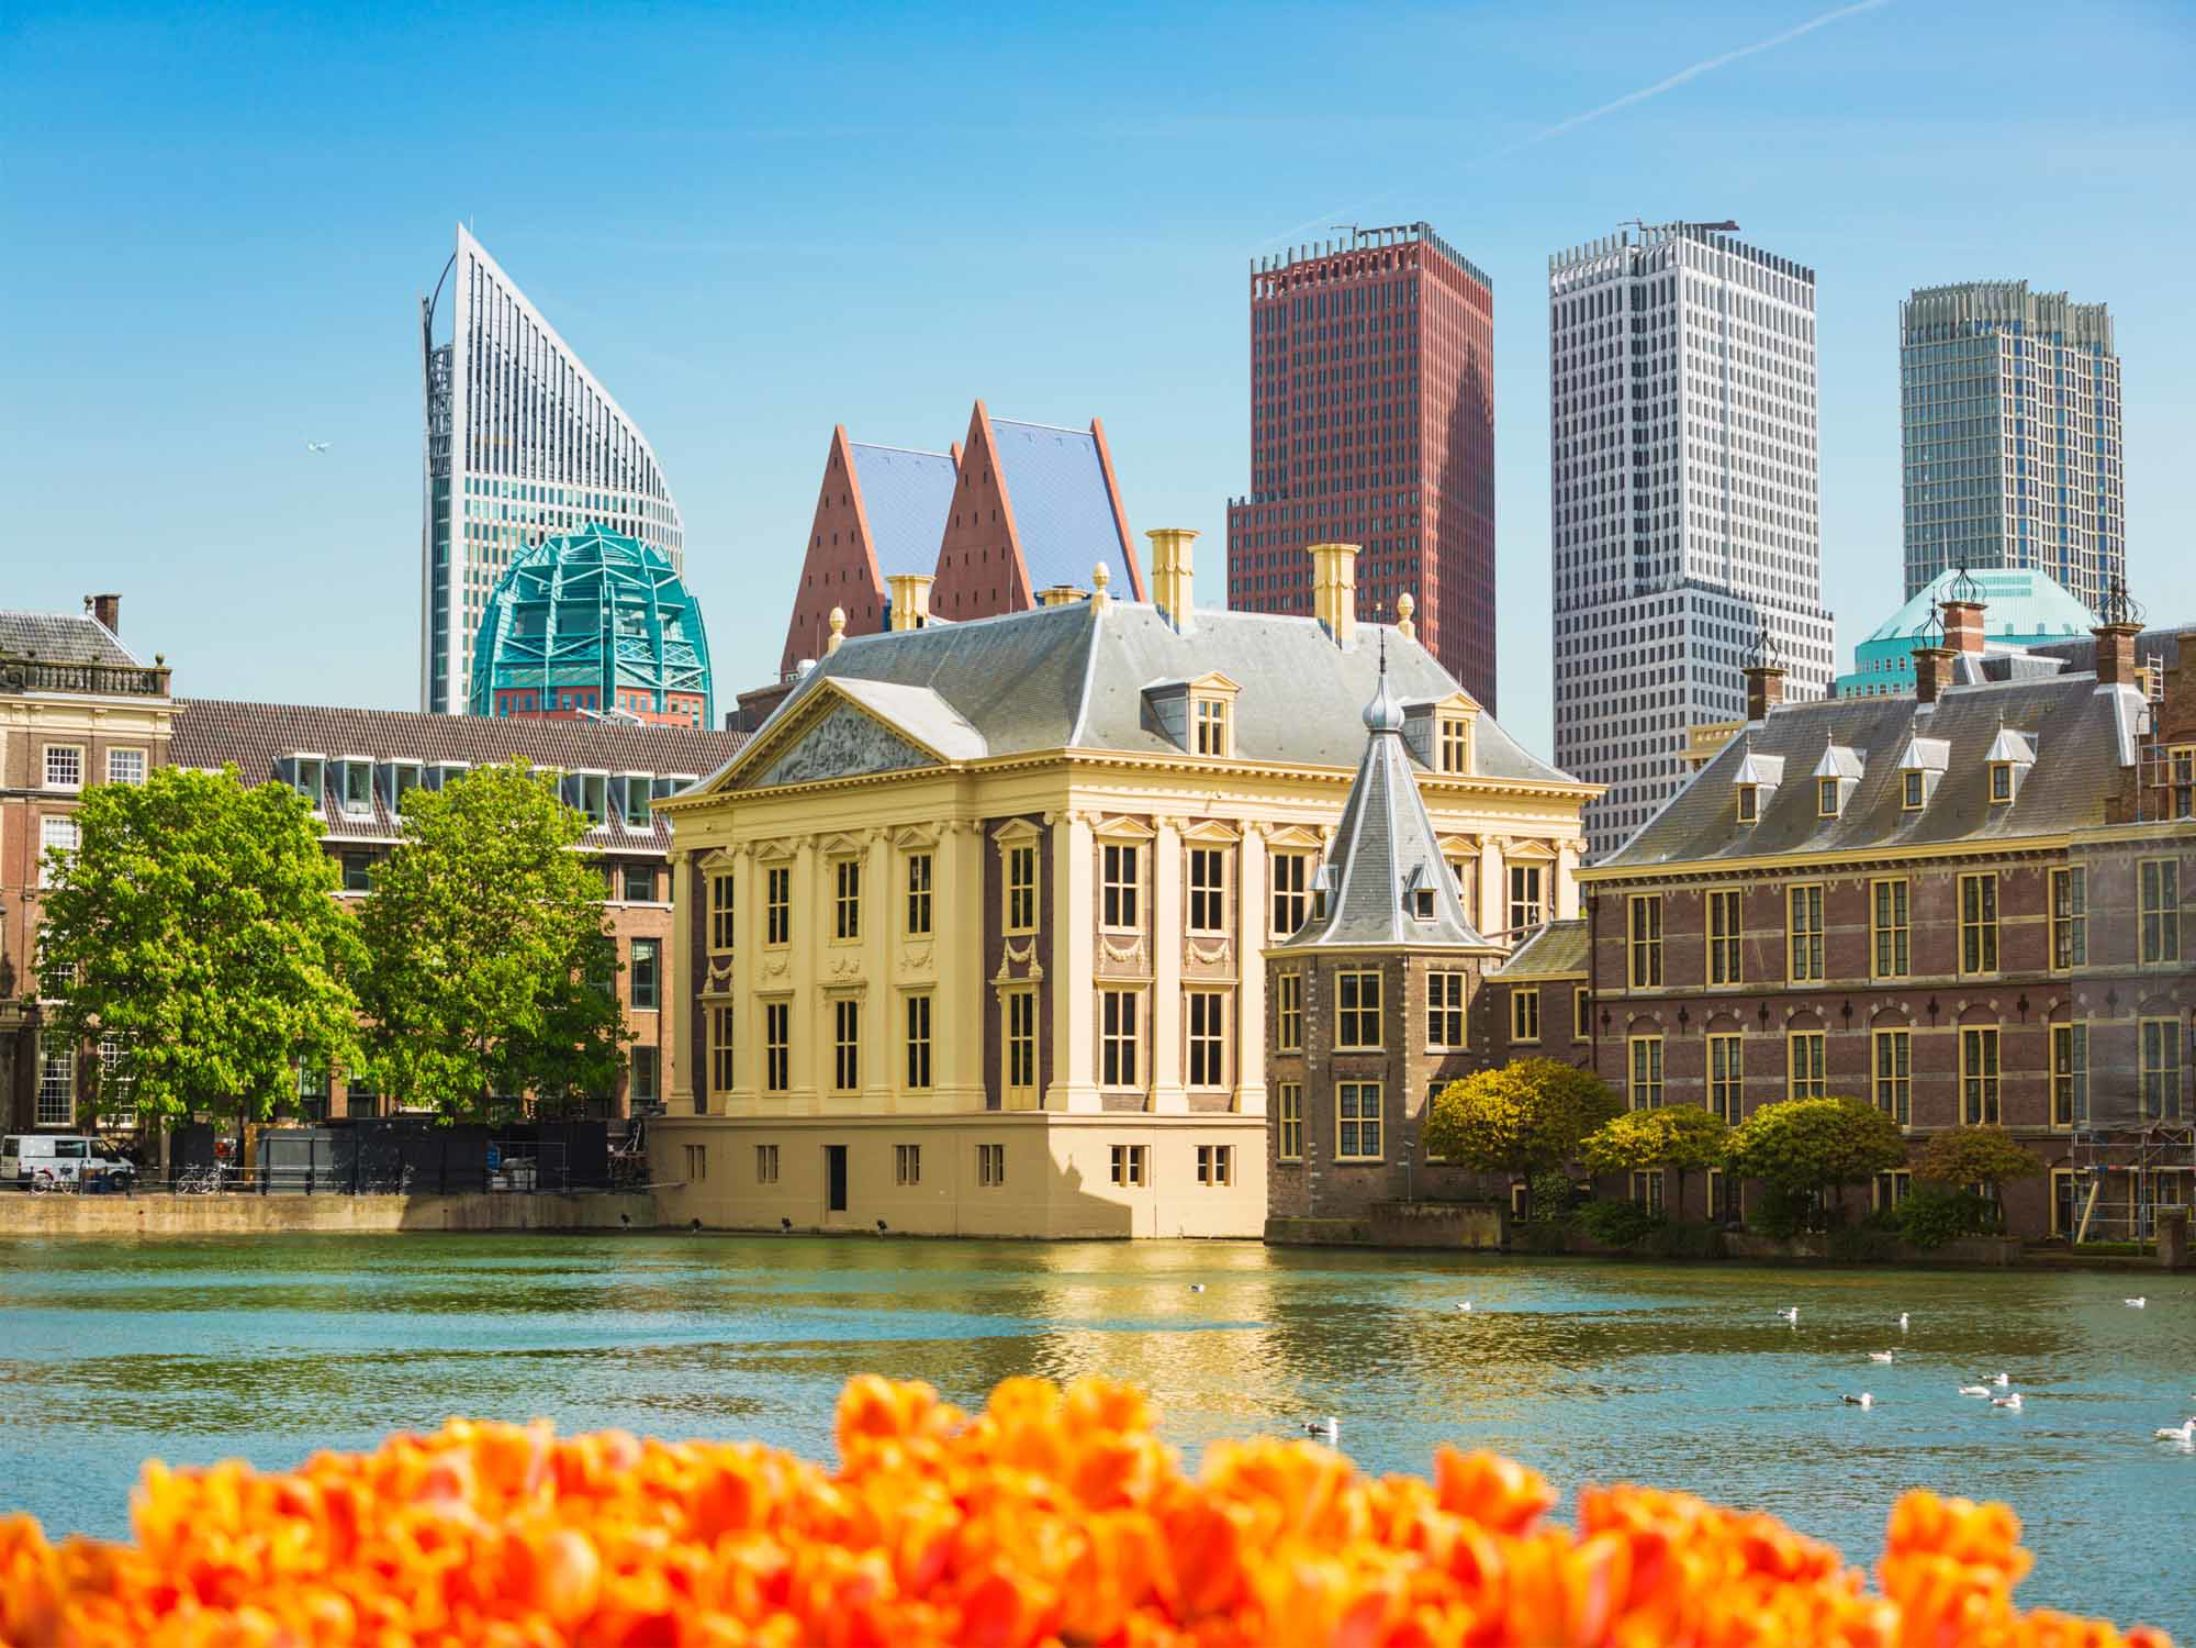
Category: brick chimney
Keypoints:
(1764, 690)
(1173, 573)
(1932, 672)
(1963, 626)
(107, 609)
(1334, 590)
(2116, 654)
(910, 599)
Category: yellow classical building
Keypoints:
(969, 934)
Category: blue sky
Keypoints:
(754, 222)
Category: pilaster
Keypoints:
(1167, 927)
(882, 1073)
(1250, 972)
(1074, 916)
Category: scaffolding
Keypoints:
(2124, 1177)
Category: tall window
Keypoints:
(1456, 744)
(1289, 1100)
(1445, 1009)
(1288, 1012)
(1357, 1121)
(1118, 1037)
(721, 1024)
(2069, 1075)
(721, 907)
(1895, 1075)
(1291, 873)
(1749, 803)
(1890, 922)
(991, 1165)
(1582, 1012)
(846, 902)
(64, 767)
(57, 834)
(1208, 890)
(846, 1044)
(777, 1046)
(1526, 906)
(1021, 889)
(2161, 1070)
(1727, 1076)
(1646, 1061)
(2181, 769)
(1208, 1037)
(1725, 925)
(644, 983)
(918, 895)
(1804, 905)
(1356, 1010)
(1645, 950)
(1979, 923)
(1121, 867)
(1806, 1057)
(1211, 715)
(117, 1105)
(766, 1164)
(918, 1043)
(1525, 1013)
(641, 1085)
(778, 905)
(2070, 917)
(1018, 1014)
(1979, 1077)
(2161, 910)
(1913, 791)
(56, 1086)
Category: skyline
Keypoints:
(229, 219)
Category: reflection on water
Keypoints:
(1679, 1376)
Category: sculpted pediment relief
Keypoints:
(844, 743)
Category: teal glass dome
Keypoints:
(2021, 608)
(593, 626)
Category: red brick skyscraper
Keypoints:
(1372, 422)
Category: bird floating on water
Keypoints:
(1902, 1321)
(1197, 1287)
(1864, 1400)
(1465, 1306)
(2000, 1380)
(2183, 1433)
(2136, 1303)
(1327, 1429)
(1974, 1390)
(1790, 1313)
(2013, 1402)
(1879, 1356)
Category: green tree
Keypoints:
(194, 924)
(1526, 1118)
(1986, 1156)
(491, 972)
(1681, 1137)
(1806, 1147)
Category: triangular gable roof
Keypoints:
(904, 497)
(918, 716)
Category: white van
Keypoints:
(69, 1158)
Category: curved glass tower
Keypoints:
(522, 444)
(593, 625)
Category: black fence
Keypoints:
(400, 1155)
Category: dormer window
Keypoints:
(2011, 755)
(1826, 798)
(633, 800)
(1422, 903)
(1912, 792)
(1197, 717)
(1212, 720)
(356, 792)
(2001, 782)
(1456, 744)
(308, 775)
(1749, 803)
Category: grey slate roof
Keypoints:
(1074, 677)
(2083, 735)
(1561, 949)
(62, 638)
(213, 733)
(1063, 508)
(906, 497)
(1385, 857)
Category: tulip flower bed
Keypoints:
(1054, 1516)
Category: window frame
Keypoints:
(846, 1044)
(777, 1046)
(1525, 1015)
(907, 1165)
(1811, 964)
(74, 755)
(1352, 1120)
(1895, 928)
(2070, 1075)
(1212, 726)
(1534, 903)
(1982, 1076)
(1644, 1072)
(1290, 890)
(1979, 931)
(1814, 1081)
(723, 911)
(777, 906)
(1205, 878)
(2069, 895)
(1289, 1116)
(1120, 886)
(1215, 1166)
(1446, 995)
(846, 899)
(723, 1047)
(652, 948)
(1726, 958)
(1018, 1046)
(1205, 1046)
(1018, 888)
(1288, 1011)
(1891, 1072)
(1129, 1166)
(2158, 911)
(2157, 1032)
(1643, 941)
(918, 879)
(1356, 1012)
(1120, 1038)
(916, 1019)
(1453, 745)
(1726, 1081)
(144, 763)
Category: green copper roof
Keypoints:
(592, 609)
(2018, 603)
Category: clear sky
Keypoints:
(753, 222)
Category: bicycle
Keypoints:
(198, 1181)
(46, 1182)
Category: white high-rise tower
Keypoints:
(1685, 528)
(522, 444)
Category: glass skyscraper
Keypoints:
(522, 445)
(2010, 421)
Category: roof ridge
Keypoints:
(887, 446)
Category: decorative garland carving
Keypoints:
(1209, 955)
(1133, 951)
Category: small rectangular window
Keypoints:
(766, 1164)
(2161, 911)
(721, 1022)
(991, 1165)
(907, 1164)
(1525, 1013)
(1644, 952)
(637, 882)
(1288, 1011)
(2070, 917)
(1890, 924)
(1912, 791)
(358, 872)
(2069, 1075)
(696, 1158)
(1291, 873)
(846, 1044)
(1582, 1012)
(64, 767)
(1456, 744)
(58, 839)
(1979, 1077)
(1526, 904)
(1212, 726)
(644, 980)
(1749, 803)
(125, 766)
(2161, 1073)
(1215, 1164)
(1725, 930)
(1357, 1121)
(1018, 1027)
(641, 1087)
(1806, 934)
(1826, 798)
(1130, 1165)
(1979, 923)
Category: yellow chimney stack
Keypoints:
(910, 599)
(1171, 573)
(1334, 590)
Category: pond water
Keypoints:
(1684, 1377)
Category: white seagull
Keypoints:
(1974, 1390)
(1326, 1430)
(1879, 1356)
(317, 446)
(2183, 1433)
(2000, 1380)
(1197, 1287)
(1902, 1321)
(2013, 1402)
(1790, 1313)
(2136, 1303)
(1465, 1307)
(1864, 1400)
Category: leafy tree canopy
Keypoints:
(194, 924)
(1811, 1145)
(491, 970)
(1976, 1155)
(1527, 1117)
(1682, 1137)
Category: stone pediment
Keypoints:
(843, 743)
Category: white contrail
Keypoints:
(1696, 70)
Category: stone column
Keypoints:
(1071, 969)
(1251, 920)
(1563, 896)
(957, 1012)
(882, 1073)
(680, 988)
(1167, 925)
(1494, 884)
(805, 1062)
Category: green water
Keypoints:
(1684, 1377)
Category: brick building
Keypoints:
(78, 708)
(1969, 906)
(1372, 422)
(356, 765)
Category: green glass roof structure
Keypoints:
(2021, 608)
(593, 609)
